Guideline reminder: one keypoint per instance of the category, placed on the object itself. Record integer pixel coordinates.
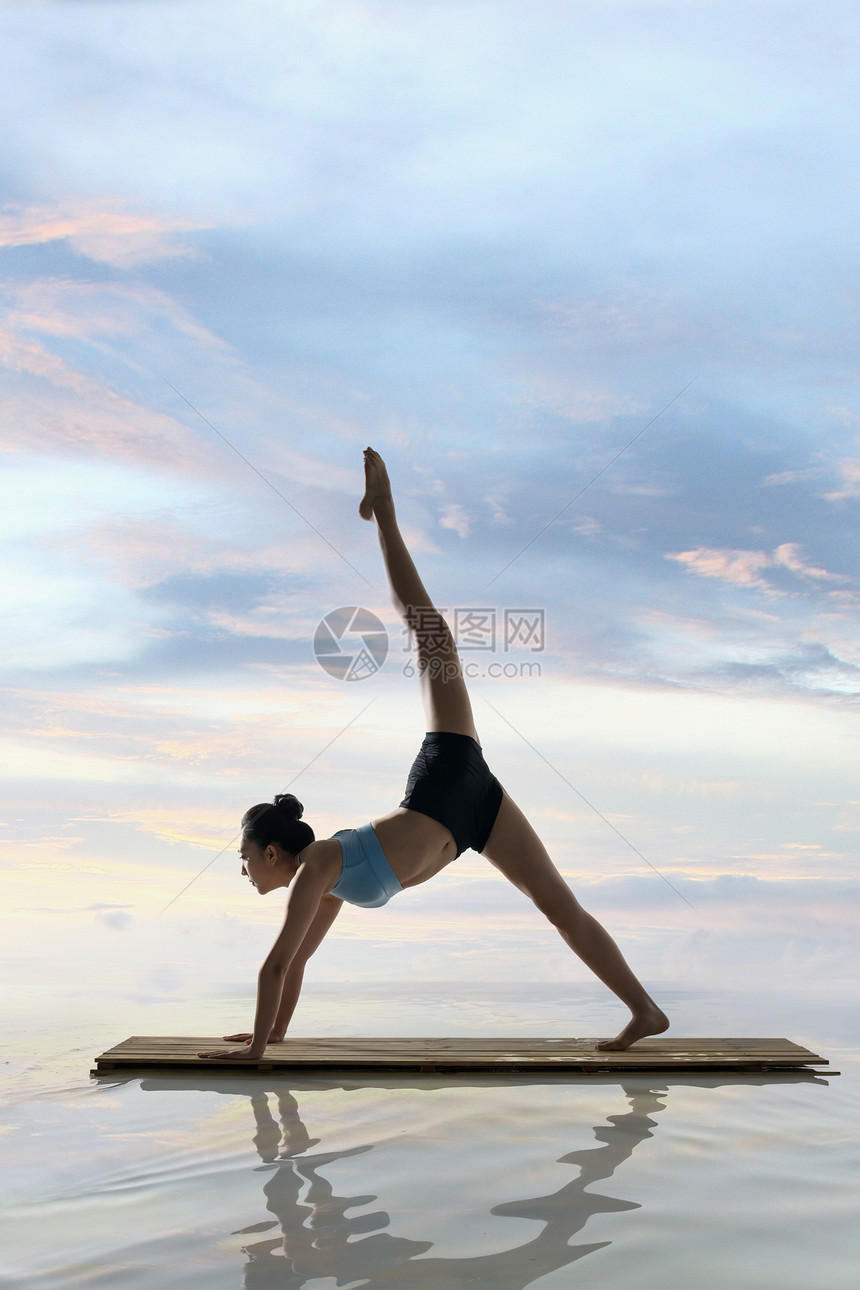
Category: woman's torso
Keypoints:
(415, 846)
(450, 780)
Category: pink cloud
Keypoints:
(788, 555)
(740, 568)
(102, 231)
(67, 409)
(49, 404)
(101, 311)
(744, 568)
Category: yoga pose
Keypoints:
(452, 802)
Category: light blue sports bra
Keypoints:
(366, 878)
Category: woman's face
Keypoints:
(266, 867)
(257, 865)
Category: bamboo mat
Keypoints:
(464, 1055)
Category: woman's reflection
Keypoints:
(319, 1240)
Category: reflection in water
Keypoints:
(319, 1240)
(314, 1227)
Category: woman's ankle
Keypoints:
(384, 513)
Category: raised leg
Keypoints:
(440, 674)
(517, 852)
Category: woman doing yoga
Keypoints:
(452, 802)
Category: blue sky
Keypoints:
(494, 240)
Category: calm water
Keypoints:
(274, 1183)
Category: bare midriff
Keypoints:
(415, 845)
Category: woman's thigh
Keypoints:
(515, 849)
(440, 677)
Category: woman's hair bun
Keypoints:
(289, 806)
(279, 821)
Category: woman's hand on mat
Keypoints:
(245, 1038)
(242, 1054)
(245, 1054)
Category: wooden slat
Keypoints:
(466, 1054)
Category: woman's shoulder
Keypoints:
(325, 855)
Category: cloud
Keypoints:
(102, 231)
(792, 476)
(742, 568)
(454, 517)
(209, 829)
(566, 394)
(805, 648)
(61, 344)
(112, 916)
(848, 817)
(101, 312)
(52, 405)
(789, 557)
(71, 348)
(849, 473)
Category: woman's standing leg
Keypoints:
(517, 852)
(440, 674)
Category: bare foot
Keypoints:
(377, 486)
(651, 1022)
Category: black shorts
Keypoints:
(451, 782)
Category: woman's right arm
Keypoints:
(328, 911)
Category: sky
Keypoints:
(586, 275)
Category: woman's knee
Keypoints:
(552, 897)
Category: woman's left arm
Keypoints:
(303, 901)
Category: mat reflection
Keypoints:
(318, 1239)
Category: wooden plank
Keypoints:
(466, 1054)
(490, 1045)
(371, 1047)
(290, 1054)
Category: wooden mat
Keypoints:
(465, 1055)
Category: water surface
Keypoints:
(265, 1181)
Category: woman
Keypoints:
(452, 802)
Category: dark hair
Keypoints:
(279, 821)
